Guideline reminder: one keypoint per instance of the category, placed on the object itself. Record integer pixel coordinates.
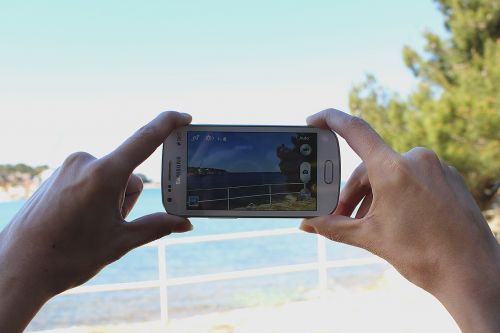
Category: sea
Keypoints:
(184, 260)
(235, 179)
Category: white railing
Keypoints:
(227, 198)
(163, 282)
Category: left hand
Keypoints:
(74, 225)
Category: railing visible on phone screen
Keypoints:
(321, 265)
(228, 197)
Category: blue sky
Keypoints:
(240, 152)
(83, 75)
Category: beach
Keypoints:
(388, 304)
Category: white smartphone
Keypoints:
(250, 171)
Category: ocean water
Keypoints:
(203, 258)
(235, 179)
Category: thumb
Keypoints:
(152, 227)
(337, 228)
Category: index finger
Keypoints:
(144, 141)
(360, 136)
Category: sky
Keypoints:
(237, 152)
(84, 75)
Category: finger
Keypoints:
(360, 136)
(144, 142)
(365, 206)
(356, 188)
(334, 227)
(452, 171)
(132, 193)
(458, 184)
(455, 173)
(152, 227)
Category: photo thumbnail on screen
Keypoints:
(260, 171)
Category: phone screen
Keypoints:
(259, 171)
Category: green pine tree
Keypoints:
(455, 110)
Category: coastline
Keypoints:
(152, 186)
(16, 193)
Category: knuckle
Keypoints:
(149, 132)
(397, 170)
(101, 176)
(357, 124)
(328, 113)
(168, 114)
(77, 157)
(100, 169)
(425, 155)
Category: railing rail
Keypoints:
(163, 282)
(227, 198)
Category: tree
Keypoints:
(144, 178)
(14, 175)
(455, 109)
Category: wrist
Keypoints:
(19, 303)
(471, 295)
(23, 293)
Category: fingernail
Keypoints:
(311, 119)
(307, 228)
(183, 227)
(185, 115)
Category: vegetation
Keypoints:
(285, 204)
(18, 174)
(455, 110)
(144, 178)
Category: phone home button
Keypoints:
(328, 171)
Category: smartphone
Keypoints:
(250, 171)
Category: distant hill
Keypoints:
(192, 171)
(19, 180)
(18, 174)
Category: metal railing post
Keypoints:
(162, 276)
(322, 264)
(228, 198)
(270, 197)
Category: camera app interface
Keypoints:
(251, 171)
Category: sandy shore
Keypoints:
(391, 305)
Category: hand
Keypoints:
(74, 225)
(416, 213)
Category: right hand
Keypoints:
(416, 213)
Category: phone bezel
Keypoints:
(175, 151)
